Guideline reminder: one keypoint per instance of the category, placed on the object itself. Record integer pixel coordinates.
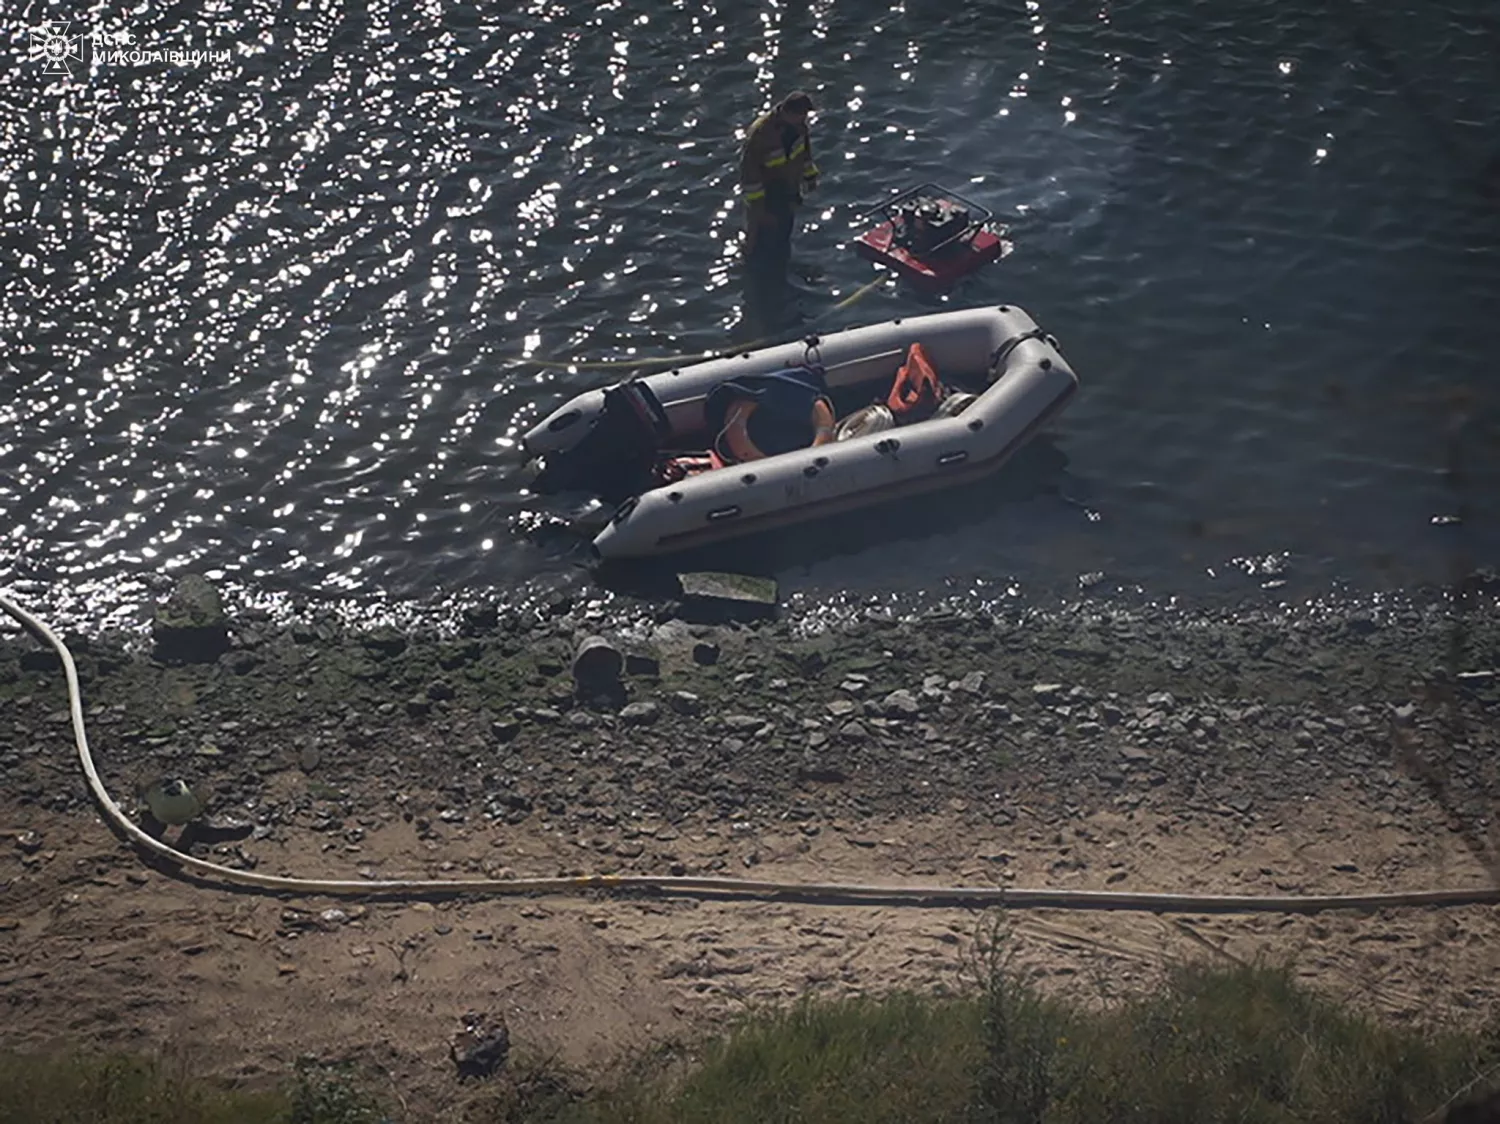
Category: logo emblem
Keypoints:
(52, 43)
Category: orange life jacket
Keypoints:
(917, 390)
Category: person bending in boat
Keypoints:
(776, 168)
(757, 416)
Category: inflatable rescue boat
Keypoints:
(764, 439)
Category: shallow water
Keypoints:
(272, 313)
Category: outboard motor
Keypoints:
(615, 458)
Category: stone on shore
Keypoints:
(640, 713)
(901, 704)
(597, 665)
(712, 595)
(191, 627)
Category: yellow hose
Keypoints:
(682, 360)
(830, 893)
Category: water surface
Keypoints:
(271, 316)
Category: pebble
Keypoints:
(1048, 693)
(642, 665)
(816, 769)
(640, 713)
(901, 704)
(685, 702)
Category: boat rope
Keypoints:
(826, 893)
(853, 298)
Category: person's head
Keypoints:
(795, 107)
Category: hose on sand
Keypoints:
(828, 893)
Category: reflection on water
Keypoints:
(272, 314)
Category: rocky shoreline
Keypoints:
(967, 715)
(1093, 746)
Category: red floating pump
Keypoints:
(932, 237)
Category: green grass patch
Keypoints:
(132, 1090)
(900, 1058)
(1244, 1044)
(121, 1090)
(1209, 1044)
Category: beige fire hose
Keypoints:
(853, 298)
(831, 893)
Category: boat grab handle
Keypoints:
(1003, 351)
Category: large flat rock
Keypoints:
(711, 585)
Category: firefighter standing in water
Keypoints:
(776, 167)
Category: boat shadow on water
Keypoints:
(1038, 470)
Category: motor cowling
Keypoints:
(616, 455)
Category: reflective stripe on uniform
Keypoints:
(764, 155)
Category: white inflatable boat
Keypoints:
(1015, 378)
